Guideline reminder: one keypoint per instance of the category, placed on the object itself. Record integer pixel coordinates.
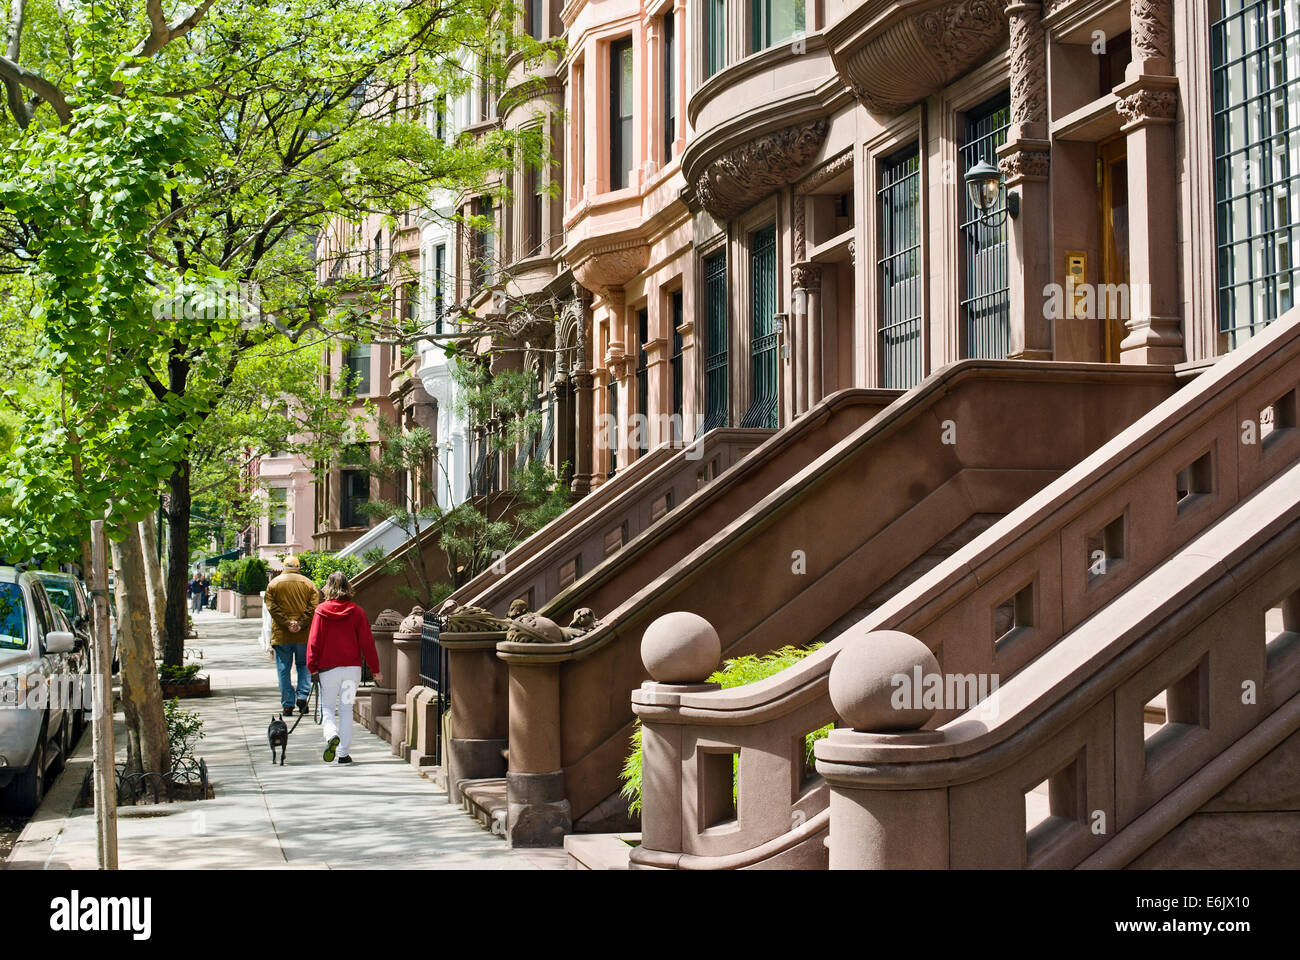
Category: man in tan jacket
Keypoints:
(291, 600)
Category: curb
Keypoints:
(35, 846)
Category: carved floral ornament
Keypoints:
(1148, 105)
(897, 59)
(733, 182)
(607, 267)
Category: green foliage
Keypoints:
(169, 674)
(251, 575)
(227, 573)
(736, 672)
(317, 565)
(184, 730)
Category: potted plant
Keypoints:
(182, 682)
(251, 578)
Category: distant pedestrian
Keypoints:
(207, 592)
(196, 593)
(290, 600)
(340, 641)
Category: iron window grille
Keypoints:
(986, 298)
(762, 332)
(1255, 70)
(642, 383)
(899, 269)
(716, 407)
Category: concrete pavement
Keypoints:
(378, 812)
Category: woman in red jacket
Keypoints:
(340, 639)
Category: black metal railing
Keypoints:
(435, 675)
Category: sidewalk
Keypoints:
(377, 813)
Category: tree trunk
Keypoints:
(135, 652)
(178, 563)
(154, 582)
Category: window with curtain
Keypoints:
(277, 528)
(356, 360)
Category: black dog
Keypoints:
(277, 734)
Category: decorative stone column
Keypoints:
(1025, 160)
(616, 363)
(807, 347)
(679, 651)
(370, 709)
(871, 827)
(584, 395)
(406, 656)
(1148, 102)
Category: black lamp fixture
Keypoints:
(984, 186)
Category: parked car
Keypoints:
(36, 646)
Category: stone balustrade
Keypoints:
(996, 607)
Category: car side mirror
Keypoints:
(60, 641)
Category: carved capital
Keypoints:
(739, 178)
(1148, 106)
(1025, 160)
(806, 276)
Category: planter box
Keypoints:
(198, 687)
(248, 607)
(225, 600)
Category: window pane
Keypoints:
(13, 618)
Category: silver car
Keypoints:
(38, 692)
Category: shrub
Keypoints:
(317, 565)
(251, 576)
(184, 730)
(169, 674)
(226, 572)
(734, 673)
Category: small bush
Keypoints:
(734, 673)
(169, 674)
(184, 730)
(251, 576)
(317, 565)
(226, 574)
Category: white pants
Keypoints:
(338, 690)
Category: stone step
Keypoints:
(600, 851)
(485, 801)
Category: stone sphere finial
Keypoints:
(680, 647)
(863, 682)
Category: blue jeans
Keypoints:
(286, 655)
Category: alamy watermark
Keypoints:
(210, 300)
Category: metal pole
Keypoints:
(102, 671)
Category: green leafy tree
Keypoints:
(198, 155)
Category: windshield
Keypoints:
(13, 618)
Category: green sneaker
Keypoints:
(330, 748)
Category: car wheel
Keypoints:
(64, 747)
(25, 793)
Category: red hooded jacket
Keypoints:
(340, 637)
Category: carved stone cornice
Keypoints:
(827, 172)
(733, 182)
(894, 53)
(1025, 161)
(604, 265)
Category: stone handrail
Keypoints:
(1122, 499)
(843, 524)
(1073, 718)
(627, 502)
